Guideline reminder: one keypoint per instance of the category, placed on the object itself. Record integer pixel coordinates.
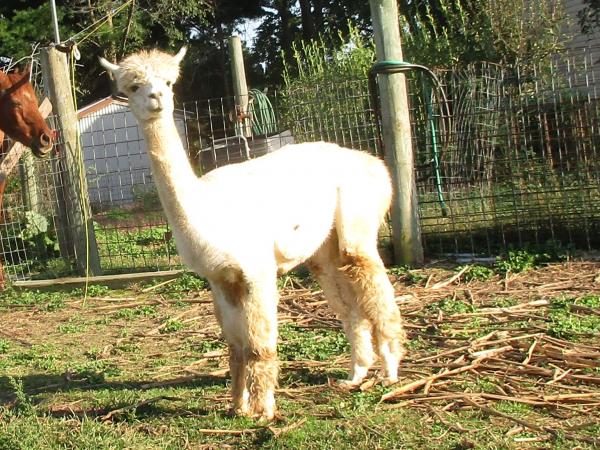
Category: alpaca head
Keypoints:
(147, 78)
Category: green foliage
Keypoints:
(516, 409)
(72, 328)
(589, 16)
(504, 302)
(94, 372)
(172, 325)
(566, 322)
(140, 311)
(451, 306)
(129, 247)
(4, 346)
(49, 301)
(24, 406)
(317, 345)
(516, 261)
(147, 196)
(478, 273)
(26, 26)
(408, 275)
(183, 286)
(93, 290)
(324, 83)
(39, 357)
(449, 33)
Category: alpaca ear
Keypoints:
(180, 54)
(113, 68)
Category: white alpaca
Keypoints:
(242, 225)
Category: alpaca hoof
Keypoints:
(348, 385)
(389, 381)
(239, 412)
(264, 416)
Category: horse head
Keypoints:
(20, 118)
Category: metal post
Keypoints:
(55, 21)
(406, 233)
(77, 210)
(240, 87)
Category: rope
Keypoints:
(391, 67)
(262, 112)
(97, 24)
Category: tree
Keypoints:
(589, 16)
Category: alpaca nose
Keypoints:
(155, 95)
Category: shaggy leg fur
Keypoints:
(357, 225)
(325, 265)
(228, 310)
(375, 296)
(261, 347)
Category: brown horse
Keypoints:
(21, 120)
(19, 115)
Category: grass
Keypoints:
(97, 375)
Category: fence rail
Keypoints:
(515, 163)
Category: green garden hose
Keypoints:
(390, 67)
(262, 113)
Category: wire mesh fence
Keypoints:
(520, 166)
(514, 163)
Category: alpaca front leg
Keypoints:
(228, 298)
(237, 370)
(261, 353)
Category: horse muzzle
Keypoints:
(43, 145)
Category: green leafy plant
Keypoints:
(451, 306)
(24, 405)
(519, 261)
(565, 322)
(49, 301)
(478, 273)
(172, 325)
(93, 290)
(130, 313)
(326, 81)
(182, 286)
(319, 345)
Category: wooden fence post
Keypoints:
(76, 221)
(397, 140)
(240, 87)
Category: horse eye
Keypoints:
(134, 88)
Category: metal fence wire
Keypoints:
(513, 163)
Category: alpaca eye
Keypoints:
(169, 83)
(134, 88)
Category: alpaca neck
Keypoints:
(177, 184)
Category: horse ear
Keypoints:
(113, 68)
(180, 54)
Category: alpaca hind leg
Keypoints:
(230, 315)
(261, 350)
(375, 297)
(357, 222)
(325, 266)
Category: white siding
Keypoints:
(115, 158)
